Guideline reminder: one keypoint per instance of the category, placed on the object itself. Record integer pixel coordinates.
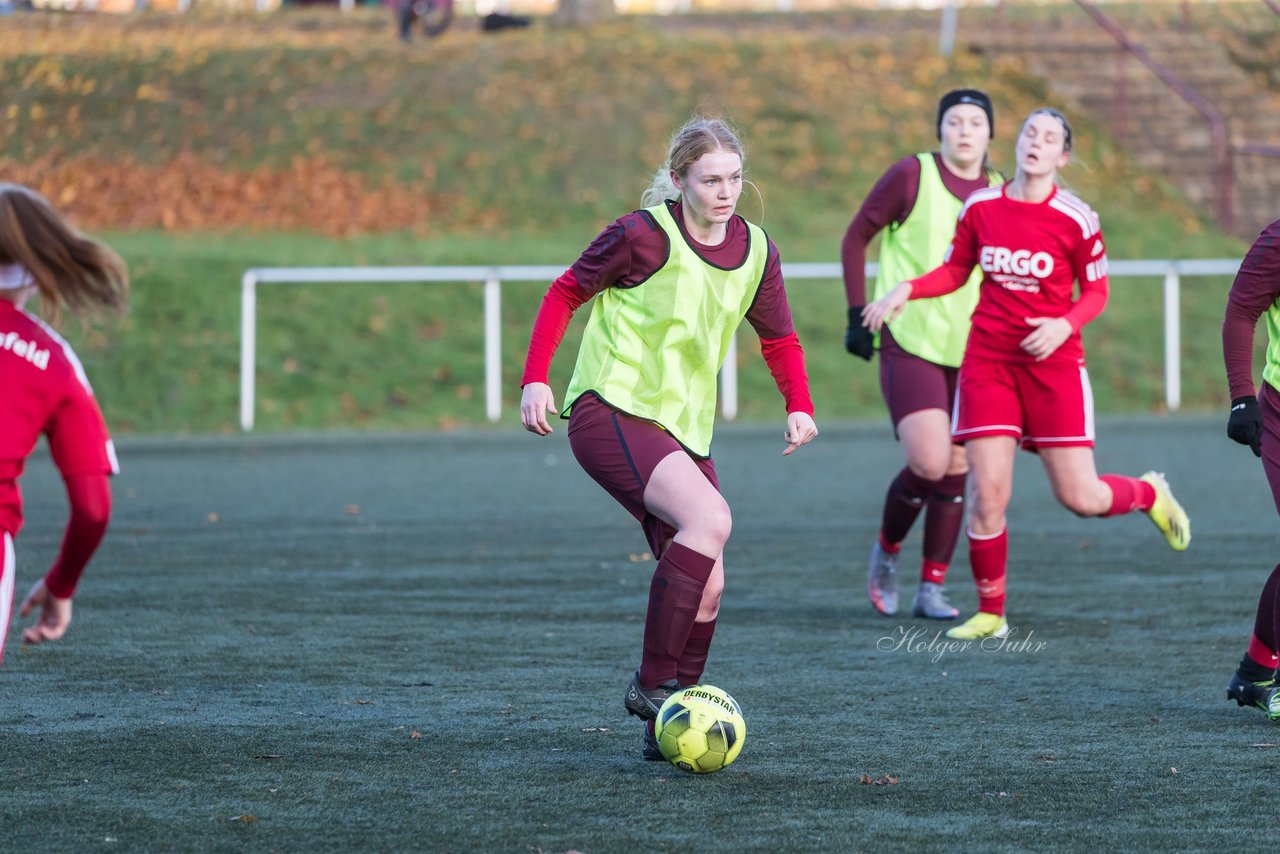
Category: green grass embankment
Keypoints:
(521, 147)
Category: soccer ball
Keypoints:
(700, 729)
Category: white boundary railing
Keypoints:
(493, 277)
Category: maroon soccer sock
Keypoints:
(1128, 494)
(694, 658)
(675, 594)
(902, 504)
(943, 518)
(988, 558)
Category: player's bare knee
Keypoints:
(717, 524)
(708, 531)
(930, 468)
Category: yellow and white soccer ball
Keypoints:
(700, 729)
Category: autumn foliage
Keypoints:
(187, 193)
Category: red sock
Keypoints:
(889, 548)
(988, 558)
(1128, 494)
(932, 572)
(675, 594)
(1262, 655)
(694, 658)
(1263, 644)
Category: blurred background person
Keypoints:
(915, 203)
(1023, 380)
(1254, 420)
(44, 390)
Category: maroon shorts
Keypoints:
(1269, 409)
(1041, 404)
(620, 452)
(910, 383)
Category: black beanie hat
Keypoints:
(966, 96)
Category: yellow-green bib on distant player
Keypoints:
(1271, 370)
(933, 329)
(653, 350)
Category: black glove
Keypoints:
(858, 339)
(1245, 424)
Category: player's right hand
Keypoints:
(535, 401)
(858, 339)
(1245, 424)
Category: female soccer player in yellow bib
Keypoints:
(671, 283)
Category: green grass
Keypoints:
(527, 146)
(410, 356)
(270, 621)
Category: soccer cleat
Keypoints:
(1168, 514)
(1263, 695)
(649, 748)
(645, 702)
(882, 580)
(931, 604)
(981, 625)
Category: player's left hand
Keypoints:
(858, 339)
(800, 431)
(55, 615)
(1050, 334)
(1244, 425)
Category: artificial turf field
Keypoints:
(395, 643)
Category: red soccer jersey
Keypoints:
(43, 389)
(1031, 255)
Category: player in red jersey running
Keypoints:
(1255, 421)
(43, 389)
(915, 204)
(1023, 378)
(671, 284)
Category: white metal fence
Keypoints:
(493, 277)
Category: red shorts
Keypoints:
(910, 383)
(1038, 403)
(620, 452)
(7, 571)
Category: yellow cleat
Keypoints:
(981, 625)
(1168, 514)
